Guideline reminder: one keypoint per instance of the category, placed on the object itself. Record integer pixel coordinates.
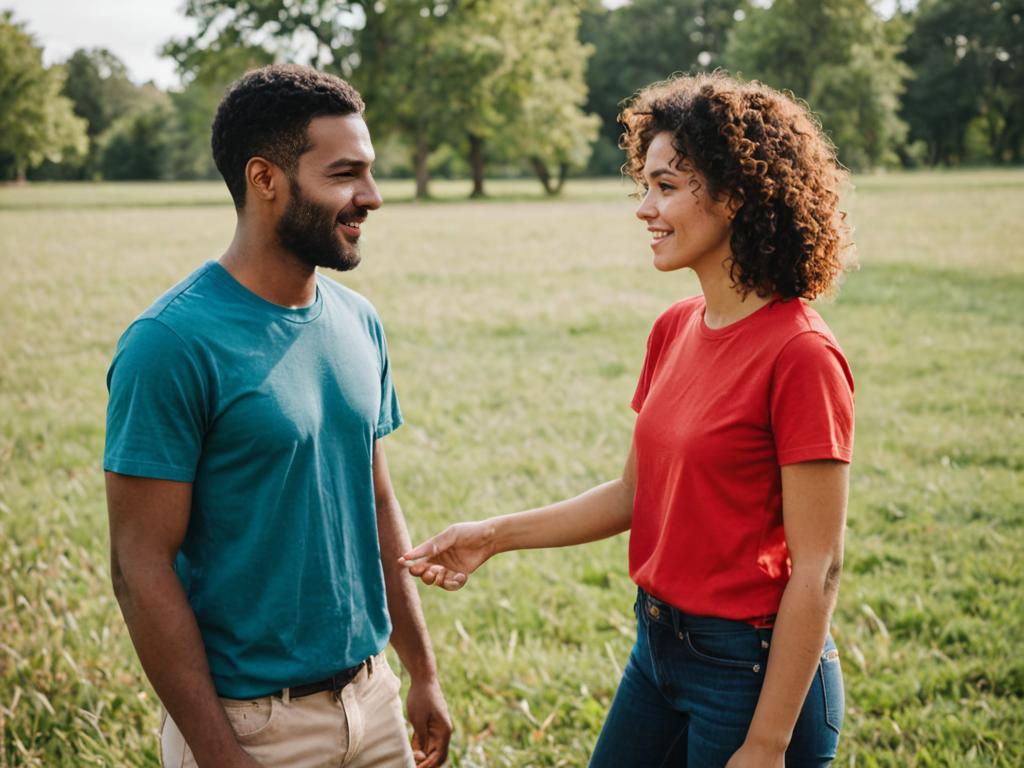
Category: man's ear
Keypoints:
(263, 178)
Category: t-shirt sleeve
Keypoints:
(156, 412)
(390, 416)
(812, 401)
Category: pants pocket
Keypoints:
(734, 650)
(250, 719)
(831, 674)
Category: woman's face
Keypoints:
(688, 228)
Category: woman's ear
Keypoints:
(734, 201)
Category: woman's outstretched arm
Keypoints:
(446, 560)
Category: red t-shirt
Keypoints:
(720, 412)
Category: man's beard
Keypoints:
(307, 231)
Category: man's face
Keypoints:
(330, 194)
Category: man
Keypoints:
(254, 531)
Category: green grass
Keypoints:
(517, 329)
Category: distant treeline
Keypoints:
(510, 87)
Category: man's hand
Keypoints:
(446, 560)
(431, 724)
(243, 760)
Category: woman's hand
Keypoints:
(749, 756)
(446, 560)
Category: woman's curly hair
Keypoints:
(765, 151)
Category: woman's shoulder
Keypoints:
(795, 317)
(678, 313)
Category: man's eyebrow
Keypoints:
(347, 162)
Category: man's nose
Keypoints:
(369, 195)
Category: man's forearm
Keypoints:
(409, 636)
(165, 634)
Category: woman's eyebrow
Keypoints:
(665, 171)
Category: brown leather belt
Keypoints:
(334, 683)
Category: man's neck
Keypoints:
(257, 261)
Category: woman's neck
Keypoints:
(724, 304)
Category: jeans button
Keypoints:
(757, 668)
(654, 611)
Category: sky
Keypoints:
(134, 30)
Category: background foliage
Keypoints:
(495, 88)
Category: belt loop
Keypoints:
(286, 695)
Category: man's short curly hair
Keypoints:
(764, 150)
(265, 113)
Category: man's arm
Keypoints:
(148, 520)
(428, 712)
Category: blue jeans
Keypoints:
(689, 690)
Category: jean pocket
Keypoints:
(250, 719)
(735, 650)
(831, 674)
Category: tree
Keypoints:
(454, 72)
(138, 145)
(36, 121)
(548, 126)
(643, 42)
(514, 85)
(967, 60)
(404, 74)
(99, 87)
(100, 90)
(317, 31)
(837, 55)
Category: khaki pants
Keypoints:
(361, 726)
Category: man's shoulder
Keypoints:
(184, 301)
(336, 293)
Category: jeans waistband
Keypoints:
(653, 609)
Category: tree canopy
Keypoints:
(37, 122)
(836, 55)
(460, 86)
(967, 63)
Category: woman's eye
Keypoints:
(664, 187)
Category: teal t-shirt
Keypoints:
(271, 413)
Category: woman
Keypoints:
(735, 487)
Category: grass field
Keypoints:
(517, 329)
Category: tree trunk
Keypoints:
(21, 173)
(563, 174)
(541, 169)
(476, 160)
(420, 158)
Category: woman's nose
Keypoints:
(646, 210)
